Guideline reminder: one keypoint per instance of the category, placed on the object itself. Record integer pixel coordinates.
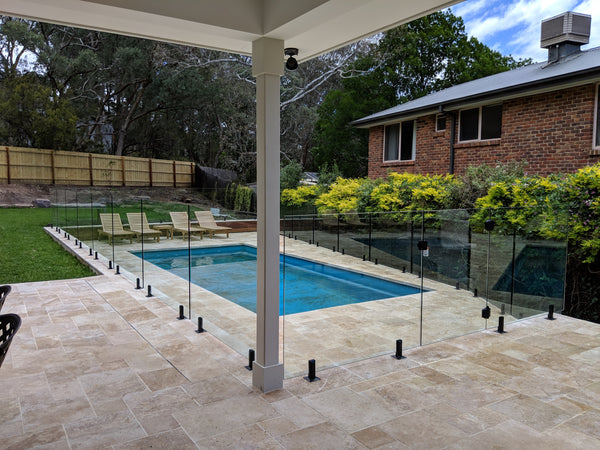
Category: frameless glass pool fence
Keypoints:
(473, 271)
(126, 231)
(469, 268)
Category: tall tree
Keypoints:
(32, 113)
(337, 141)
(302, 91)
(408, 62)
(104, 75)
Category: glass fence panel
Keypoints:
(393, 241)
(340, 307)
(450, 308)
(327, 230)
(160, 255)
(66, 212)
(447, 234)
(224, 276)
(299, 227)
(354, 235)
(53, 196)
(494, 242)
(538, 266)
(83, 214)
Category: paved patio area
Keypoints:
(97, 364)
(331, 336)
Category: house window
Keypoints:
(400, 141)
(480, 123)
(440, 122)
(597, 114)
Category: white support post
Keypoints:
(267, 67)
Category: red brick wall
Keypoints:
(552, 132)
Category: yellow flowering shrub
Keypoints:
(341, 197)
(551, 207)
(582, 198)
(520, 206)
(299, 196)
(414, 192)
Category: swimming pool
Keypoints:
(230, 271)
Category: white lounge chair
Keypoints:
(181, 224)
(207, 222)
(112, 227)
(138, 223)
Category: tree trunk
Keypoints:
(122, 133)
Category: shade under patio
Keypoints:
(261, 28)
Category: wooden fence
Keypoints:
(37, 166)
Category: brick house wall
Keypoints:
(552, 132)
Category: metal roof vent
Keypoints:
(564, 34)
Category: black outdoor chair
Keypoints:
(4, 291)
(9, 325)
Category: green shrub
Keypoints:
(524, 206)
(401, 191)
(342, 196)
(290, 176)
(581, 195)
(299, 196)
(243, 199)
(328, 175)
(477, 180)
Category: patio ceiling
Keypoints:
(313, 26)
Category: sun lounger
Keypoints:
(112, 227)
(181, 224)
(207, 221)
(138, 223)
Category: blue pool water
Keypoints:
(230, 272)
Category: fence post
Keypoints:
(150, 170)
(7, 165)
(174, 174)
(124, 183)
(52, 163)
(91, 169)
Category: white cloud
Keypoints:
(513, 26)
(470, 7)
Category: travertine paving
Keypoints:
(331, 336)
(97, 364)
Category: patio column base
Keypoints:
(267, 379)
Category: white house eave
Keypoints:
(313, 26)
(131, 23)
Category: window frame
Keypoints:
(479, 123)
(437, 118)
(399, 141)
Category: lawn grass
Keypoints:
(28, 254)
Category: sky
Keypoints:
(513, 26)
